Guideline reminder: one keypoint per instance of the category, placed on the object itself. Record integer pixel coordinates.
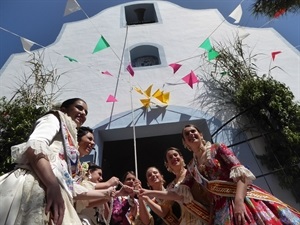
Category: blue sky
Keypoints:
(41, 20)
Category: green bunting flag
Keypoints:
(206, 45)
(212, 54)
(223, 73)
(102, 44)
(70, 59)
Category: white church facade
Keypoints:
(149, 36)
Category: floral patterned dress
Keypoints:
(120, 212)
(219, 175)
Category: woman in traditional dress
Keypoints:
(162, 212)
(178, 190)
(125, 208)
(41, 189)
(94, 211)
(234, 199)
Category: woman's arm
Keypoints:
(240, 213)
(94, 194)
(160, 210)
(44, 131)
(114, 181)
(54, 201)
(242, 176)
(145, 217)
(166, 195)
(95, 203)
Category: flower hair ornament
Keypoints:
(84, 168)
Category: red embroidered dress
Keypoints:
(218, 175)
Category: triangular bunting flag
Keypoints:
(111, 98)
(102, 44)
(212, 54)
(138, 90)
(237, 14)
(70, 59)
(166, 97)
(106, 73)
(279, 13)
(274, 54)
(145, 102)
(72, 6)
(175, 67)
(206, 45)
(190, 79)
(27, 44)
(148, 91)
(223, 73)
(130, 70)
(157, 93)
(160, 97)
(242, 34)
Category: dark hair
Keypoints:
(83, 131)
(170, 149)
(163, 179)
(189, 125)
(93, 167)
(70, 102)
(125, 175)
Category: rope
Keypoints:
(134, 136)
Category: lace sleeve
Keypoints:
(241, 172)
(80, 204)
(237, 170)
(44, 131)
(184, 191)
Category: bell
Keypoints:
(140, 12)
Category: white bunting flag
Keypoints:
(27, 44)
(237, 14)
(72, 6)
(242, 34)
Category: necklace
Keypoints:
(181, 176)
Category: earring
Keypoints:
(90, 176)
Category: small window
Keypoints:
(145, 55)
(140, 14)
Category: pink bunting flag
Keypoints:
(111, 98)
(175, 67)
(191, 79)
(130, 70)
(274, 54)
(106, 73)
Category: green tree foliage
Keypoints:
(16, 122)
(268, 105)
(275, 8)
(32, 98)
